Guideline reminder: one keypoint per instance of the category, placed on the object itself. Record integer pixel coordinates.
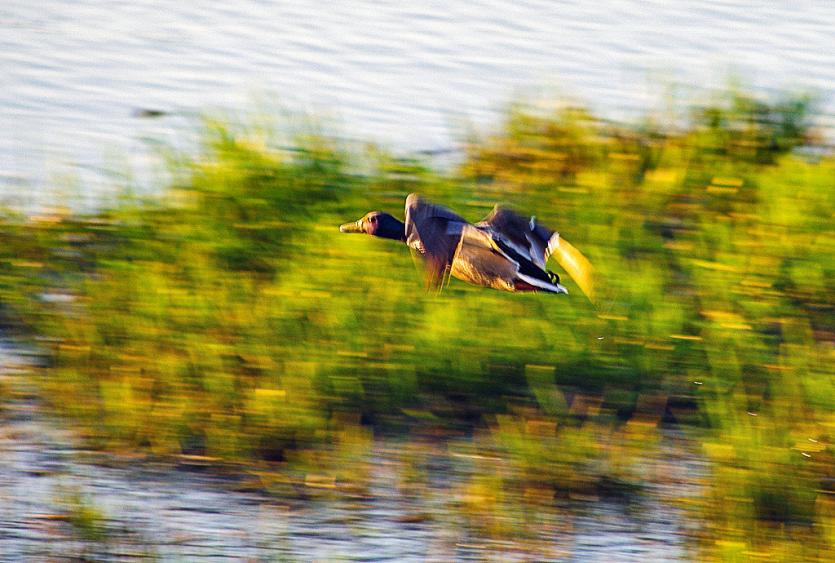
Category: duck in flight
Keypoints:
(505, 251)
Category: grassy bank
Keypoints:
(228, 317)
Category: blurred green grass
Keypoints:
(228, 318)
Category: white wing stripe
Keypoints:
(537, 254)
(541, 284)
(553, 243)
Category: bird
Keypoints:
(504, 251)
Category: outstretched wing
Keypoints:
(432, 232)
(524, 235)
(537, 243)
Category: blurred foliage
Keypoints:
(228, 318)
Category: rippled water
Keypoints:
(74, 73)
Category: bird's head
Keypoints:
(378, 224)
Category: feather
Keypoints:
(524, 235)
(537, 243)
(433, 233)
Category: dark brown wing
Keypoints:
(538, 243)
(432, 232)
(525, 235)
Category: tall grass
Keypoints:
(227, 317)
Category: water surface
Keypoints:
(74, 73)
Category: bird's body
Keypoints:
(504, 251)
